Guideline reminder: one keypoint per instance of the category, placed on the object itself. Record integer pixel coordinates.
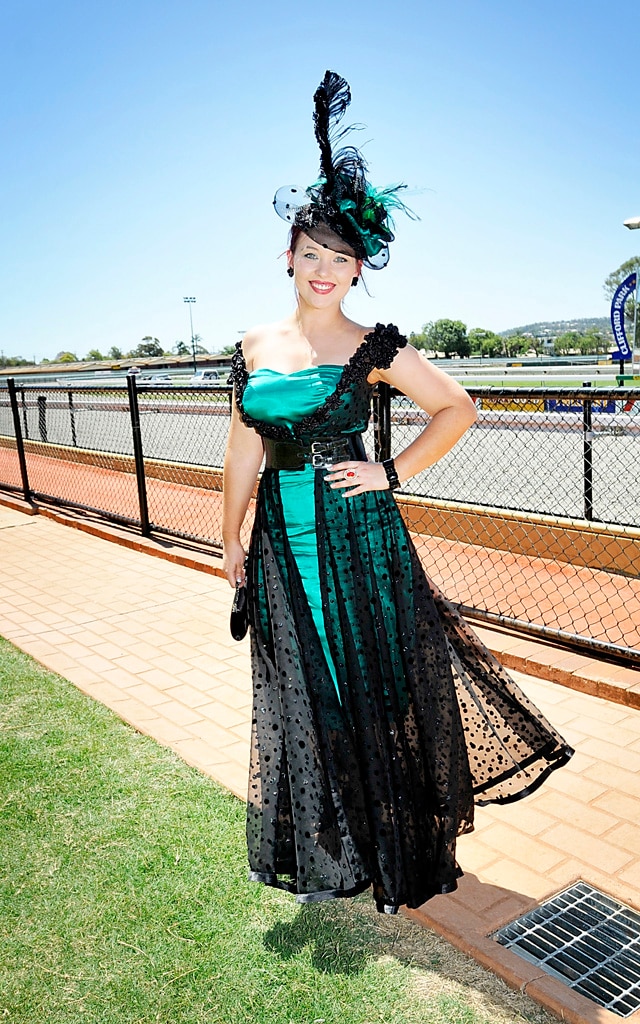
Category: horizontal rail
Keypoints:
(564, 565)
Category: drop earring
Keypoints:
(290, 271)
(354, 282)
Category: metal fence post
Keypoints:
(42, 417)
(587, 453)
(72, 414)
(25, 418)
(382, 422)
(145, 528)
(11, 385)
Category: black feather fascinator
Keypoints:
(341, 210)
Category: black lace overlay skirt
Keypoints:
(370, 747)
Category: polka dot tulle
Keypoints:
(370, 746)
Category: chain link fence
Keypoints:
(534, 517)
(532, 521)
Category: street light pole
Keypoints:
(633, 223)
(190, 299)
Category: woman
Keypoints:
(378, 716)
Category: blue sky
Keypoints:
(143, 143)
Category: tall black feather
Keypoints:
(331, 99)
(343, 211)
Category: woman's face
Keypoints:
(322, 276)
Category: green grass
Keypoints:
(124, 896)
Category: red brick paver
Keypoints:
(149, 638)
(596, 603)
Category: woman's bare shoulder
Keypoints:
(264, 334)
(359, 331)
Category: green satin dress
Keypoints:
(378, 716)
(285, 399)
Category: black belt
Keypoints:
(321, 453)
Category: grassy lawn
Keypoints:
(124, 896)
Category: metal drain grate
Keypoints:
(587, 940)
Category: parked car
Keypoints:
(205, 377)
(158, 379)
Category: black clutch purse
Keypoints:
(239, 622)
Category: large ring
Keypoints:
(349, 473)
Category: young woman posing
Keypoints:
(378, 716)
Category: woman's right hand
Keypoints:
(233, 562)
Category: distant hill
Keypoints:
(553, 328)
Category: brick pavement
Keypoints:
(148, 637)
(541, 591)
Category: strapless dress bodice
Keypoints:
(286, 398)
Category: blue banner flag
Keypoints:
(623, 291)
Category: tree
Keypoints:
(537, 344)
(617, 277)
(180, 349)
(200, 350)
(66, 357)
(566, 343)
(485, 343)
(15, 361)
(114, 353)
(448, 336)
(515, 344)
(94, 354)
(228, 350)
(594, 342)
(148, 347)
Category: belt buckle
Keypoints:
(321, 454)
(320, 461)
(325, 454)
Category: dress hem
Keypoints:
(564, 756)
(272, 880)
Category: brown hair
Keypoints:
(294, 236)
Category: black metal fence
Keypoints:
(533, 520)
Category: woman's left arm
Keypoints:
(451, 413)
